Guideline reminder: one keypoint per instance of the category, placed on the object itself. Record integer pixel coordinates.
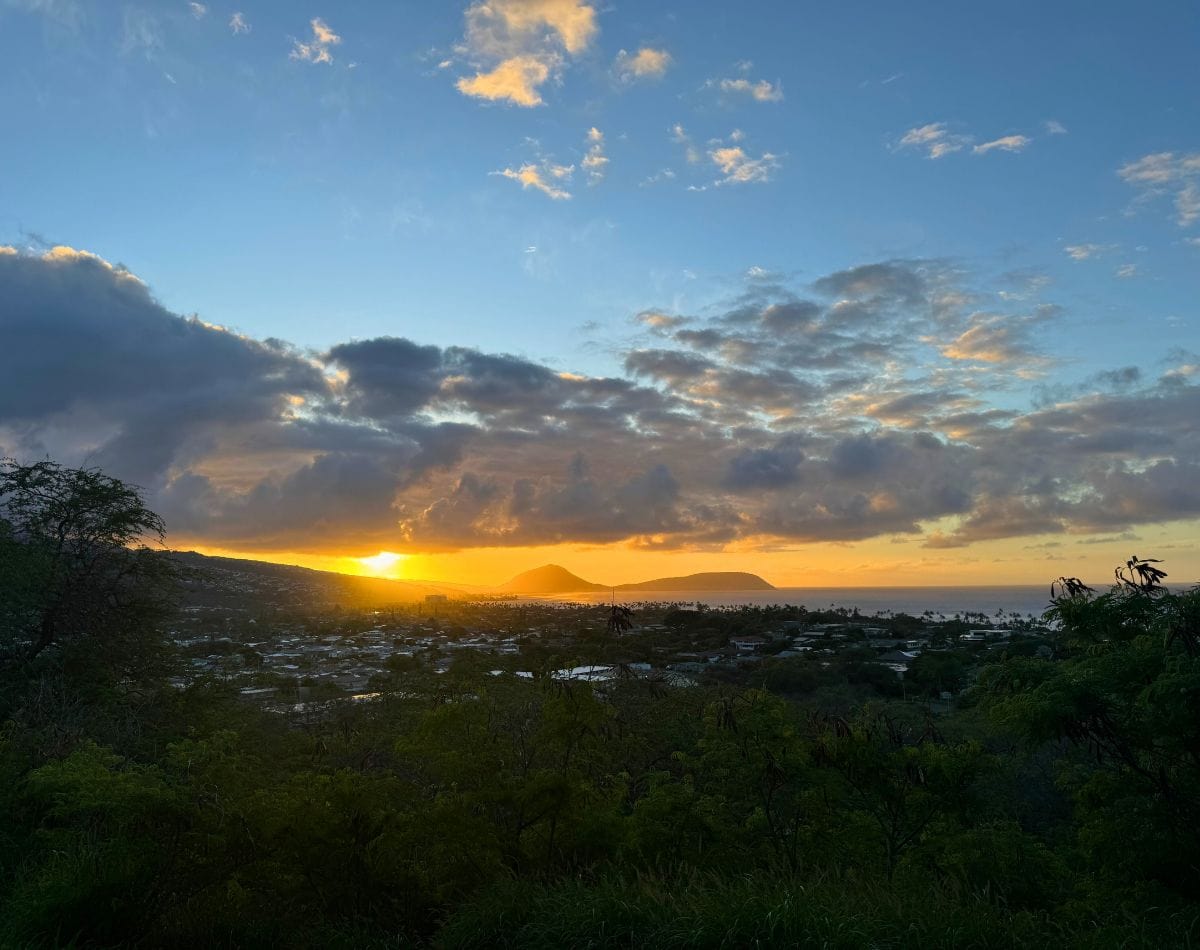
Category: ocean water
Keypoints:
(944, 601)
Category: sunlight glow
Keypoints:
(381, 563)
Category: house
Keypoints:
(746, 644)
(897, 661)
(981, 636)
(586, 674)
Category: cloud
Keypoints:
(106, 370)
(1167, 174)
(740, 168)
(1126, 271)
(875, 401)
(1187, 204)
(198, 10)
(998, 339)
(937, 141)
(1009, 143)
(546, 178)
(316, 50)
(761, 91)
(1054, 127)
(141, 32)
(1085, 252)
(68, 14)
(518, 45)
(680, 137)
(934, 139)
(765, 469)
(515, 79)
(238, 24)
(663, 174)
(595, 162)
(646, 63)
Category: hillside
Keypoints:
(244, 583)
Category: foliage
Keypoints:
(1056, 805)
(73, 565)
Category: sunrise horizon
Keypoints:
(493, 568)
(533, 281)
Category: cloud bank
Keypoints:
(885, 399)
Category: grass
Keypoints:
(762, 911)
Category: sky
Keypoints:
(852, 293)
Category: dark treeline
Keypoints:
(1057, 804)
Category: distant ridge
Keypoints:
(553, 579)
(711, 580)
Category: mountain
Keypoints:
(242, 583)
(707, 581)
(549, 579)
(553, 579)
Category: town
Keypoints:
(297, 655)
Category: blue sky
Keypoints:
(526, 177)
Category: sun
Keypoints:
(381, 563)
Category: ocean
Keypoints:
(943, 601)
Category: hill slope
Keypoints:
(246, 584)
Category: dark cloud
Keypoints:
(885, 405)
(89, 350)
(388, 376)
(770, 468)
(897, 281)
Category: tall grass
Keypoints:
(769, 911)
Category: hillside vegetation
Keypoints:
(1056, 803)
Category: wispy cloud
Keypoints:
(761, 91)
(68, 14)
(198, 10)
(238, 24)
(1187, 204)
(934, 139)
(1168, 174)
(1126, 271)
(663, 174)
(1085, 252)
(316, 50)
(1008, 143)
(646, 63)
(517, 45)
(595, 162)
(1054, 127)
(680, 136)
(546, 177)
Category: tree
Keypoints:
(1124, 689)
(73, 558)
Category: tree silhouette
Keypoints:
(73, 562)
